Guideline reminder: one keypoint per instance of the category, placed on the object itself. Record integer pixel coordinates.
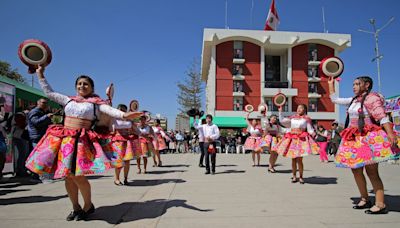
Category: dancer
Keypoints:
(124, 143)
(322, 140)
(72, 150)
(199, 127)
(159, 142)
(299, 141)
(272, 137)
(211, 134)
(367, 139)
(253, 142)
(146, 143)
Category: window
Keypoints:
(272, 107)
(313, 105)
(313, 72)
(238, 104)
(312, 52)
(237, 69)
(237, 86)
(238, 49)
(312, 87)
(272, 68)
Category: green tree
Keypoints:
(190, 90)
(7, 71)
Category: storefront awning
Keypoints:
(226, 122)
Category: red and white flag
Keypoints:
(272, 19)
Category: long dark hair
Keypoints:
(277, 121)
(361, 116)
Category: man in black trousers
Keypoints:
(211, 134)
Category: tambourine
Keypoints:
(331, 67)
(249, 108)
(279, 99)
(33, 53)
(262, 108)
(134, 106)
(110, 92)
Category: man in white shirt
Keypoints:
(199, 127)
(211, 133)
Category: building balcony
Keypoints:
(238, 94)
(239, 61)
(270, 92)
(238, 77)
(314, 63)
(314, 95)
(276, 84)
(314, 79)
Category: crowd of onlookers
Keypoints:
(21, 131)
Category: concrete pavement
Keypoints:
(180, 195)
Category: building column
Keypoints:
(262, 73)
(211, 83)
(289, 67)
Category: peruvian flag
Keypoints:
(272, 19)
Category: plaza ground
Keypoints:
(180, 195)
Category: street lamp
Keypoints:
(378, 56)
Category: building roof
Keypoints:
(278, 39)
(21, 86)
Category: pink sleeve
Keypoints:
(374, 103)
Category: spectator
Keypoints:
(20, 142)
(335, 139)
(179, 142)
(3, 150)
(38, 122)
(322, 140)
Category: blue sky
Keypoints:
(145, 47)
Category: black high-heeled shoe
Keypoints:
(380, 212)
(73, 215)
(367, 204)
(85, 214)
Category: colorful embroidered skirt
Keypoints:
(270, 141)
(356, 151)
(146, 148)
(253, 143)
(160, 144)
(123, 149)
(64, 151)
(297, 145)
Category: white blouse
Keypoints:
(254, 131)
(122, 124)
(83, 110)
(354, 107)
(300, 123)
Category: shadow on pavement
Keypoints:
(283, 171)
(30, 199)
(8, 191)
(173, 166)
(165, 171)
(392, 202)
(320, 180)
(154, 182)
(231, 171)
(133, 211)
(97, 177)
(228, 165)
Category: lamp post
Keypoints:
(378, 56)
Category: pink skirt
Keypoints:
(357, 151)
(123, 148)
(253, 143)
(297, 145)
(64, 151)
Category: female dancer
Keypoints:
(273, 136)
(253, 142)
(368, 140)
(159, 142)
(124, 143)
(322, 140)
(299, 141)
(72, 150)
(146, 143)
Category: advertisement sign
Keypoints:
(7, 96)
